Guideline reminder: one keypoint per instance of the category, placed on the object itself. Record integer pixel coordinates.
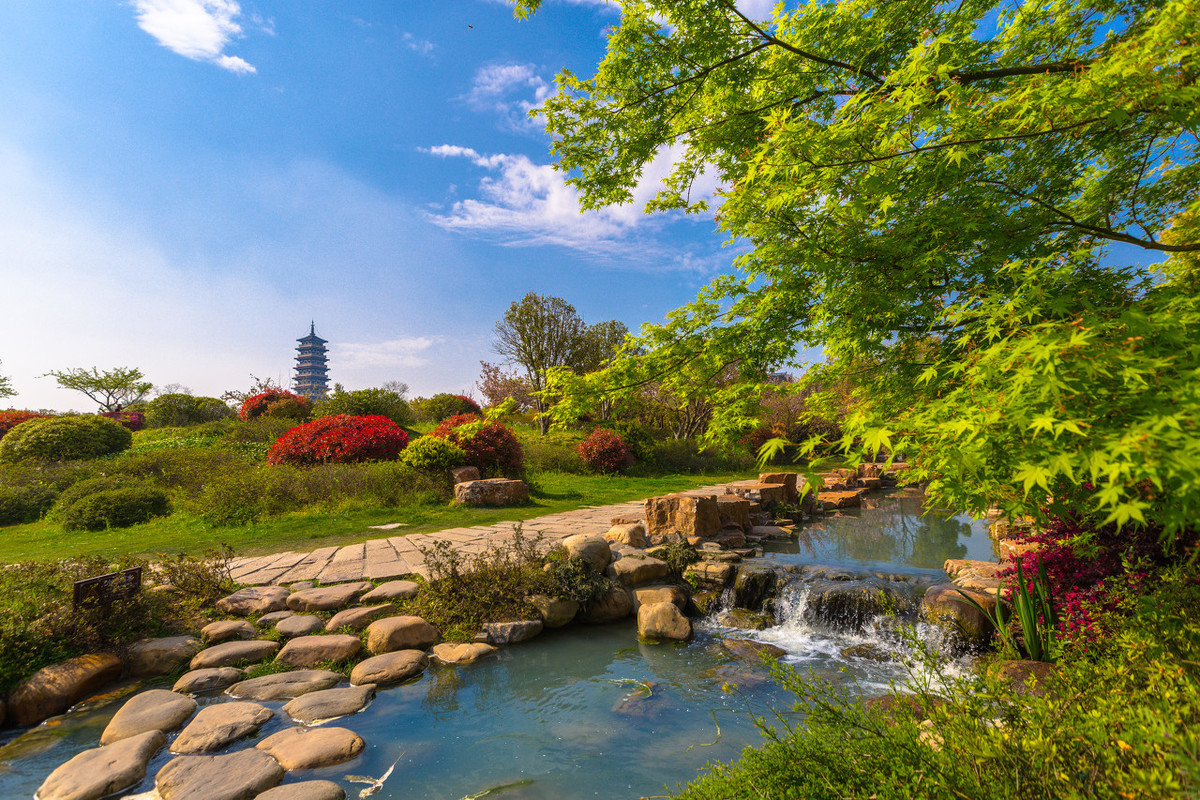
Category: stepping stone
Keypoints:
(285, 685)
(230, 653)
(206, 680)
(502, 633)
(254, 600)
(316, 707)
(103, 771)
(237, 776)
(309, 748)
(752, 651)
(392, 590)
(309, 651)
(267, 620)
(219, 725)
(400, 633)
(305, 790)
(151, 657)
(300, 586)
(325, 598)
(300, 625)
(389, 668)
(449, 653)
(359, 618)
(153, 710)
(226, 629)
(53, 689)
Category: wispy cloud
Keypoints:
(403, 352)
(510, 90)
(196, 29)
(422, 46)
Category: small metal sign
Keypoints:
(103, 589)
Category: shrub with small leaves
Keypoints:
(443, 406)
(339, 439)
(65, 438)
(366, 402)
(177, 410)
(489, 446)
(605, 451)
(20, 504)
(431, 454)
(116, 508)
(275, 403)
(12, 418)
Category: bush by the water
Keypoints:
(432, 454)
(11, 418)
(65, 438)
(490, 446)
(340, 439)
(605, 451)
(278, 403)
(116, 508)
(366, 402)
(179, 410)
(443, 406)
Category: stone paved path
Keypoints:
(395, 556)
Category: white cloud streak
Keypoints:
(403, 352)
(505, 89)
(196, 29)
(420, 46)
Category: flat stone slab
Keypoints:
(285, 685)
(208, 679)
(230, 653)
(227, 629)
(327, 704)
(236, 776)
(300, 625)
(392, 590)
(389, 668)
(660, 594)
(309, 651)
(53, 689)
(400, 633)
(305, 790)
(450, 653)
(153, 710)
(151, 657)
(254, 600)
(309, 748)
(359, 618)
(633, 571)
(324, 598)
(219, 725)
(270, 620)
(103, 771)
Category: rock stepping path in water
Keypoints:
(153, 710)
(236, 776)
(231, 653)
(300, 625)
(219, 725)
(103, 771)
(327, 704)
(310, 748)
(285, 685)
(305, 790)
(309, 651)
(208, 679)
(227, 629)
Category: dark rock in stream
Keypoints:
(850, 605)
(753, 586)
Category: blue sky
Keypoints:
(184, 184)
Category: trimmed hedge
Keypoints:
(432, 454)
(65, 438)
(116, 508)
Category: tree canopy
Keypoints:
(6, 388)
(927, 192)
(111, 389)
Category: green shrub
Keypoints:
(19, 504)
(554, 452)
(116, 508)
(365, 403)
(179, 410)
(431, 454)
(443, 406)
(88, 486)
(680, 456)
(65, 438)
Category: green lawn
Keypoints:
(306, 531)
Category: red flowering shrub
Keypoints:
(12, 418)
(341, 439)
(275, 403)
(605, 451)
(133, 420)
(491, 447)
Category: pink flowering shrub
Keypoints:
(605, 451)
(133, 420)
(12, 418)
(275, 403)
(339, 439)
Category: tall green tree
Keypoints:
(927, 192)
(6, 388)
(111, 389)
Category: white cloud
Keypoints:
(421, 46)
(510, 90)
(404, 352)
(195, 29)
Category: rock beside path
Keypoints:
(285, 685)
(230, 653)
(153, 710)
(219, 725)
(103, 771)
(300, 625)
(359, 618)
(634, 571)
(254, 600)
(236, 776)
(151, 657)
(226, 629)
(305, 790)
(309, 651)
(617, 604)
(325, 598)
(53, 689)
(389, 668)
(491, 492)
(676, 517)
(208, 679)
(392, 590)
(595, 550)
(309, 748)
(661, 593)
(328, 704)
(400, 633)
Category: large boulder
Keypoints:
(103, 771)
(153, 710)
(502, 633)
(632, 534)
(491, 492)
(595, 550)
(678, 517)
(310, 748)
(310, 651)
(850, 605)
(639, 570)
(663, 621)
(615, 604)
(219, 725)
(152, 657)
(254, 600)
(661, 593)
(945, 606)
(53, 689)
(733, 511)
(389, 668)
(554, 611)
(236, 776)
(400, 633)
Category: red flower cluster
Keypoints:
(275, 403)
(12, 418)
(605, 451)
(340, 439)
(493, 448)
(469, 405)
(133, 420)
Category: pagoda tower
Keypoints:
(312, 370)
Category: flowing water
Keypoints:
(590, 711)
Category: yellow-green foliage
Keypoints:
(65, 438)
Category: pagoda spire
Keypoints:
(312, 366)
